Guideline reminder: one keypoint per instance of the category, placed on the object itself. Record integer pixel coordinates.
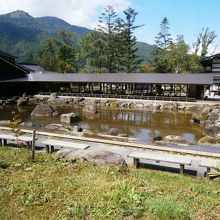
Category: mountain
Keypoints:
(22, 34)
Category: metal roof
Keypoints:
(146, 78)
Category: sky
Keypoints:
(186, 17)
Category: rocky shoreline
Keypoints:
(206, 115)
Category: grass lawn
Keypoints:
(53, 189)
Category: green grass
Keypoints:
(53, 189)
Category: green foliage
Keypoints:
(60, 54)
(204, 41)
(173, 57)
(92, 48)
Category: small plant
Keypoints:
(16, 121)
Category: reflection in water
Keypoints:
(140, 125)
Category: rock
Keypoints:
(27, 124)
(209, 140)
(113, 132)
(122, 135)
(167, 106)
(212, 131)
(22, 101)
(196, 118)
(44, 110)
(213, 116)
(156, 105)
(98, 157)
(69, 118)
(53, 96)
(91, 109)
(206, 110)
(5, 122)
(158, 138)
(175, 139)
(139, 105)
(64, 152)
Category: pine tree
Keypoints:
(107, 26)
(130, 61)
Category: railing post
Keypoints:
(33, 145)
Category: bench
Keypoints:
(158, 157)
(209, 164)
(4, 137)
(51, 143)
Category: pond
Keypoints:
(142, 126)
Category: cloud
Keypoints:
(77, 12)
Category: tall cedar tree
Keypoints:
(130, 61)
(163, 41)
(107, 26)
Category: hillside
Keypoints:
(22, 34)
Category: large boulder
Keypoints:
(99, 157)
(212, 131)
(113, 132)
(44, 110)
(91, 109)
(69, 118)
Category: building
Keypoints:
(17, 79)
(213, 64)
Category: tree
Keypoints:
(163, 42)
(163, 39)
(130, 60)
(204, 40)
(178, 59)
(107, 26)
(92, 52)
(59, 54)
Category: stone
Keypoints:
(206, 110)
(157, 138)
(98, 157)
(91, 109)
(196, 118)
(212, 131)
(213, 116)
(156, 105)
(175, 139)
(27, 124)
(209, 140)
(64, 152)
(44, 110)
(113, 132)
(22, 101)
(5, 122)
(69, 118)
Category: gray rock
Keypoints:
(27, 124)
(156, 105)
(91, 109)
(64, 152)
(44, 110)
(213, 116)
(99, 157)
(175, 139)
(113, 132)
(69, 118)
(212, 131)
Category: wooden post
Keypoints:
(47, 149)
(182, 169)
(136, 163)
(33, 145)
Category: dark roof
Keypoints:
(4, 54)
(207, 61)
(147, 78)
